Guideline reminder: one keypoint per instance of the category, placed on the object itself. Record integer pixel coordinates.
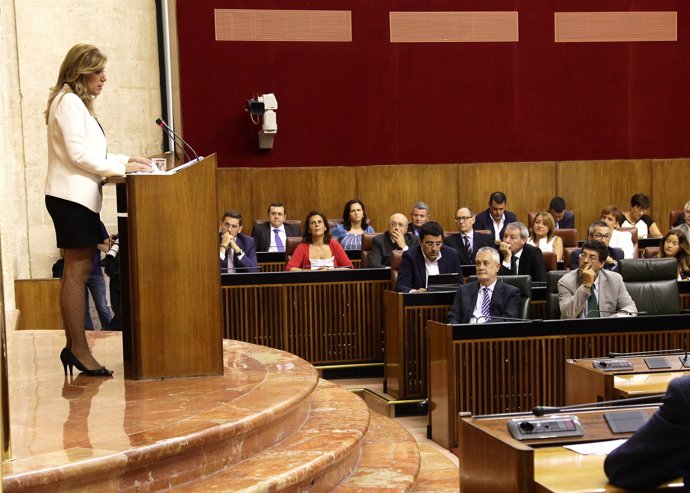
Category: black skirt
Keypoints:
(76, 226)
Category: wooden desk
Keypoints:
(535, 465)
(584, 383)
(515, 366)
(325, 317)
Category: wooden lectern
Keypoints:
(170, 273)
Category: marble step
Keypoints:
(390, 460)
(317, 457)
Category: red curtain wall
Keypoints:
(374, 102)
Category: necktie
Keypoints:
(279, 243)
(486, 305)
(592, 305)
(468, 247)
(513, 265)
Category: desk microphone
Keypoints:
(610, 312)
(161, 123)
(542, 410)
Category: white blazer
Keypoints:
(77, 159)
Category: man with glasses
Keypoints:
(592, 292)
(396, 238)
(431, 257)
(467, 242)
(599, 231)
(237, 252)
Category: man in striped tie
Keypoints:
(487, 299)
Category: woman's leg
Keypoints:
(78, 264)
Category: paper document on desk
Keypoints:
(596, 448)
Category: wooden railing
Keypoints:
(325, 317)
(513, 367)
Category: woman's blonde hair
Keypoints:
(550, 223)
(81, 60)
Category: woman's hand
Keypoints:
(139, 164)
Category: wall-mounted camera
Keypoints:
(262, 109)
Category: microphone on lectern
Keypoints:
(161, 123)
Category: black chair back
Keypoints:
(553, 309)
(652, 284)
(524, 284)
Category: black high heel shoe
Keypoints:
(69, 359)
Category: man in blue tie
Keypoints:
(487, 299)
(272, 236)
(467, 242)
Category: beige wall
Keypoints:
(36, 36)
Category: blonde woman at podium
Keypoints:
(78, 159)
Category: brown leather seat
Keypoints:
(674, 217)
(567, 252)
(651, 252)
(396, 258)
(635, 241)
(549, 261)
(367, 241)
(569, 236)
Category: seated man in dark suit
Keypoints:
(599, 231)
(237, 253)
(420, 216)
(485, 300)
(396, 238)
(563, 218)
(658, 452)
(430, 257)
(272, 236)
(519, 257)
(496, 216)
(467, 242)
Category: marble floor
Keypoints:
(57, 421)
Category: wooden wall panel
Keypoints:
(303, 190)
(589, 186)
(528, 186)
(386, 190)
(38, 301)
(606, 27)
(234, 187)
(669, 188)
(453, 27)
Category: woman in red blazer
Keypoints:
(318, 251)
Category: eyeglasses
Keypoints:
(463, 218)
(433, 243)
(599, 236)
(591, 258)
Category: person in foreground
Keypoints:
(318, 251)
(430, 257)
(485, 300)
(77, 162)
(657, 452)
(591, 291)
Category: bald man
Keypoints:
(396, 238)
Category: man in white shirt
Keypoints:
(467, 242)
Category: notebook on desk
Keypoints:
(442, 282)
